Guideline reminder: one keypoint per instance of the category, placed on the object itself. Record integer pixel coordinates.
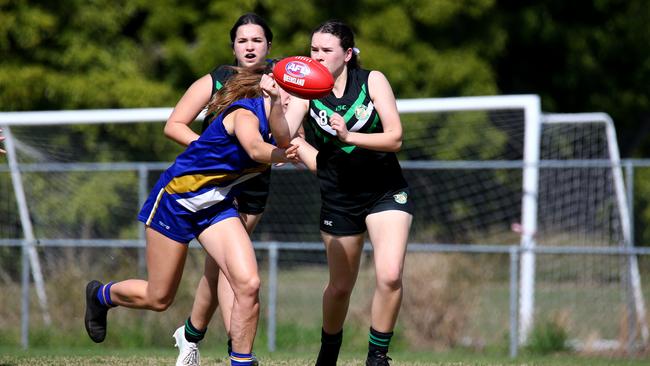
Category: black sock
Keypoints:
(229, 346)
(192, 334)
(378, 341)
(330, 344)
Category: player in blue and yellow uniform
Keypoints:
(204, 180)
(251, 40)
(356, 130)
(194, 198)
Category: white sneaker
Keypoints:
(188, 351)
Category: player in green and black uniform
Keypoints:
(251, 41)
(357, 131)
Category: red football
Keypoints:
(303, 77)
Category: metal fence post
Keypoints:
(629, 293)
(143, 175)
(514, 301)
(273, 295)
(24, 319)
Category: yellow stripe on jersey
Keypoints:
(192, 183)
(212, 196)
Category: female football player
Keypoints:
(194, 198)
(357, 133)
(251, 39)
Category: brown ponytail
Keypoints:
(245, 83)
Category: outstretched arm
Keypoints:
(246, 128)
(295, 112)
(306, 153)
(187, 109)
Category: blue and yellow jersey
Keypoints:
(210, 169)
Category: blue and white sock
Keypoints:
(241, 359)
(104, 295)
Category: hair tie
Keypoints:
(356, 50)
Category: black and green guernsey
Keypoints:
(351, 177)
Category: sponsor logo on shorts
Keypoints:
(401, 197)
(163, 225)
(328, 223)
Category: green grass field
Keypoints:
(480, 334)
(98, 355)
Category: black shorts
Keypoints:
(345, 223)
(254, 193)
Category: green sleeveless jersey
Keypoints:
(351, 176)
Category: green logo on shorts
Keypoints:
(401, 197)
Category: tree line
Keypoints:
(579, 56)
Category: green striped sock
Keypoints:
(192, 334)
(378, 341)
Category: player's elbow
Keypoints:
(397, 146)
(256, 156)
(395, 142)
(170, 130)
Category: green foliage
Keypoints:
(103, 54)
(581, 55)
(548, 337)
(642, 216)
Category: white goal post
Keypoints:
(638, 311)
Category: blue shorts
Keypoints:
(162, 213)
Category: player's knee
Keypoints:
(250, 288)
(390, 281)
(339, 291)
(160, 302)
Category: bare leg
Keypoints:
(214, 289)
(205, 298)
(388, 231)
(165, 262)
(343, 258)
(229, 245)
